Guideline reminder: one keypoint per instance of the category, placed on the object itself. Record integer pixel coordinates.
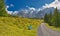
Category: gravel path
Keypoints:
(44, 31)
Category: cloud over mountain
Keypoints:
(54, 4)
(33, 12)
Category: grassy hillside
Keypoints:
(12, 26)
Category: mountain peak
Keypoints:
(54, 4)
(56, 0)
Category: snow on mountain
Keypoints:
(32, 12)
(47, 8)
(54, 4)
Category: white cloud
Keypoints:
(7, 6)
(24, 11)
(15, 12)
(11, 5)
(10, 12)
(31, 8)
(54, 4)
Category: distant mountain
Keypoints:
(39, 13)
(34, 14)
(44, 11)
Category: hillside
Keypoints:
(13, 26)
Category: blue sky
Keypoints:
(15, 5)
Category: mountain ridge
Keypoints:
(37, 13)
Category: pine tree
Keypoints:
(50, 19)
(56, 16)
(2, 9)
(46, 18)
(53, 19)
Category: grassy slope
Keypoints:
(10, 26)
(53, 28)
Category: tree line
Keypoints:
(53, 19)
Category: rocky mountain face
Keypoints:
(33, 14)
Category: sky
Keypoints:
(15, 5)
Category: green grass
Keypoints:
(13, 26)
(53, 28)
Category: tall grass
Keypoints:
(13, 26)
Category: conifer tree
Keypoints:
(56, 16)
(53, 19)
(46, 18)
(50, 19)
(2, 8)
